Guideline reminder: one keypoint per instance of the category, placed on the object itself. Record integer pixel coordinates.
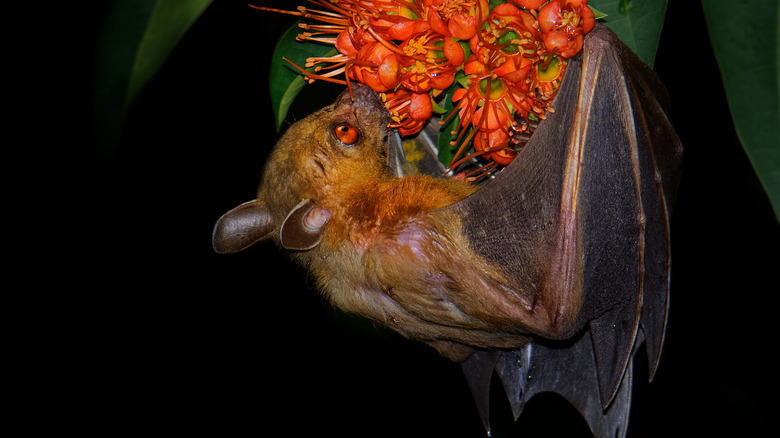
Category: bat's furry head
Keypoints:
(338, 146)
(330, 169)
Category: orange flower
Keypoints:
(376, 66)
(495, 144)
(394, 20)
(409, 111)
(509, 42)
(546, 77)
(489, 104)
(426, 61)
(564, 23)
(460, 19)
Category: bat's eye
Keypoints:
(346, 133)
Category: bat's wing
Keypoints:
(587, 202)
(565, 368)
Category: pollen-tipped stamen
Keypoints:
(485, 169)
(311, 77)
(328, 17)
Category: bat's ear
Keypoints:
(242, 227)
(302, 229)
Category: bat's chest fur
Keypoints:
(375, 211)
(389, 254)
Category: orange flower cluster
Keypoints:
(513, 58)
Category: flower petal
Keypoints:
(529, 4)
(507, 9)
(402, 30)
(549, 16)
(503, 156)
(388, 71)
(462, 27)
(345, 45)
(458, 94)
(453, 52)
(556, 41)
(494, 118)
(485, 140)
(437, 23)
(421, 107)
(442, 80)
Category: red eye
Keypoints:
(346, 133)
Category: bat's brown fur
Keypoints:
(387, 251)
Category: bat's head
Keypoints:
(311, 166)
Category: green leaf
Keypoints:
(168, 22)
(637, 23)
(493, 3)
(135, 40)
(285, 81)
(598, 15)
(745, 38)
(446, 150)
(437, 109)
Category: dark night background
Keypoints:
(163, 335)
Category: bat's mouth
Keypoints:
(368, 106)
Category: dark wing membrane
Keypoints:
(584, 209)
(630, 168)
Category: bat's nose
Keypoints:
(368, 103)
(363, 93)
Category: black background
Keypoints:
(163, 335)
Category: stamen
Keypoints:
(489, 167)
(309, 37)
(311, 77)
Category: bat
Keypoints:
(553, 274)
